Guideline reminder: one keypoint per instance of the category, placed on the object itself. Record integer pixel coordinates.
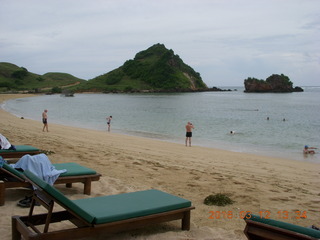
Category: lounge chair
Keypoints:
(12, 178)
(20, 151)
(258, 228)
(98, 215)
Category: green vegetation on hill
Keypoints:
(154, 69)
(14, 78)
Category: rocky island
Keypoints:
(275, 84)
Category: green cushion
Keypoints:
(113, 208)
(73, 169)
(21, 148)
(13, 170)
(129, 205)
(59, 197)
(291, 227)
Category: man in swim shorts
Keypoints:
(45, 120)
(189, 128)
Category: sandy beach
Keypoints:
(255, 183)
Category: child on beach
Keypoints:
(45, 120)
(109, 122)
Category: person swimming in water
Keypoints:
(307, 150)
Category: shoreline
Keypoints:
(237, 147)
(129, 163)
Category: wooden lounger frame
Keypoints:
(27, 226)
(68, 180)
(260, 231)
(18, 154)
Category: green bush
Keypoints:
(20, 74)
(218, 200)
(114, 77)
(56, 90)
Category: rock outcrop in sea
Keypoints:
(275, 83)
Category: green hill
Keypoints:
(14, 78)
(154, 69)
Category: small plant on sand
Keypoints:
(218, 200)
(47, 152)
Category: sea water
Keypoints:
(272, 124)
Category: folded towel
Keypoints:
(39, 165)
(4, 143)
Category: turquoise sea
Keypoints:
(294, 118)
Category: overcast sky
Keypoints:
(226, 41)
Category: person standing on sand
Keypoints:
(109, 122)
(45, 120)
(189, 128)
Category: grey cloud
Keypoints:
(225, 41)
